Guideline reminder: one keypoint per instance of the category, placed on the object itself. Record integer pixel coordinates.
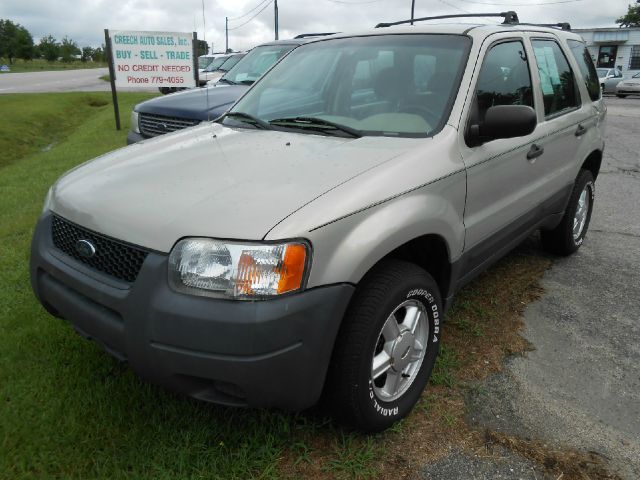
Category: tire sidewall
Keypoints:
(380, 413)
(586, 182)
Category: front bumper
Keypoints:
(133, 137)
(272, 353)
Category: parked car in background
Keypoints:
(217, 65)
(609, 78)
(185, 109)
(218, 68)
(630, 86)
(307, 244)
(205, 60)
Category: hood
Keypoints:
(198, 103)
(211, 181)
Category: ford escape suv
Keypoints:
(309, 241)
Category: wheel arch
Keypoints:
(593, 162)
(431, 253)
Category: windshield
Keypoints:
(215, 64)
(396, 85)
(256, 62)
(203, 62)
(602, 72)
(230, 63)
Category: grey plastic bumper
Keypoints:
(133, 137)
(261, 354)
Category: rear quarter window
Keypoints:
(587, 68)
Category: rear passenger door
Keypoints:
(505, 188)
(566, 118)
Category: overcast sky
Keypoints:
(84, 20)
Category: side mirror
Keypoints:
(503, 121)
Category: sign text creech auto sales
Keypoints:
(152, 59)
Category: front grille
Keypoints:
(112, 257)
(153, 125)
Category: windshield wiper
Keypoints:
(315, 123)
(248, 118)
(247, 82)
(226, 80)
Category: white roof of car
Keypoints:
(474, 29)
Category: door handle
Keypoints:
(534, 152)
(580, 131)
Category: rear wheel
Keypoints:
(620, 95)
(387, 346)
(567, 237)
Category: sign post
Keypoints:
(112, 77)
(150, 59)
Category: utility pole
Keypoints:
(275, 8)
(204, 24)
(413, 9)
(226, 34)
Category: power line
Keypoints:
(260, 3)
(269, 2)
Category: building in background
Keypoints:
(614, 47)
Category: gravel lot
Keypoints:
(580, 387)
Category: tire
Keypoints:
(388, 295)
(620, 95)
(564, 240)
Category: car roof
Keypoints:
(473, 29)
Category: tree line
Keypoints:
(17, 42)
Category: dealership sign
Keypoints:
(153, 59)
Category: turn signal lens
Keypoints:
(292, 274)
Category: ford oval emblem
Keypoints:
(85, 248)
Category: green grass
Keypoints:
(40, 65)
(41, 121)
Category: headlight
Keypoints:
(135, 126)
(203, 266)
(47, 201)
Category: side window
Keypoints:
(587, 68)
(556, 77)
(504, 78)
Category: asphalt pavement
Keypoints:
(81, 80)
(580, 387)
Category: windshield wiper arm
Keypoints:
(316, 123)
(226, 80)
(248, 118)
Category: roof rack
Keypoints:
(510, 18)
(561, 25)
(307, 35)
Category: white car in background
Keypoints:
(218, 67)
(630, 86)
(205, 60)
(609, 78)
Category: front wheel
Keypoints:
(387, 346)
(567, 237)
